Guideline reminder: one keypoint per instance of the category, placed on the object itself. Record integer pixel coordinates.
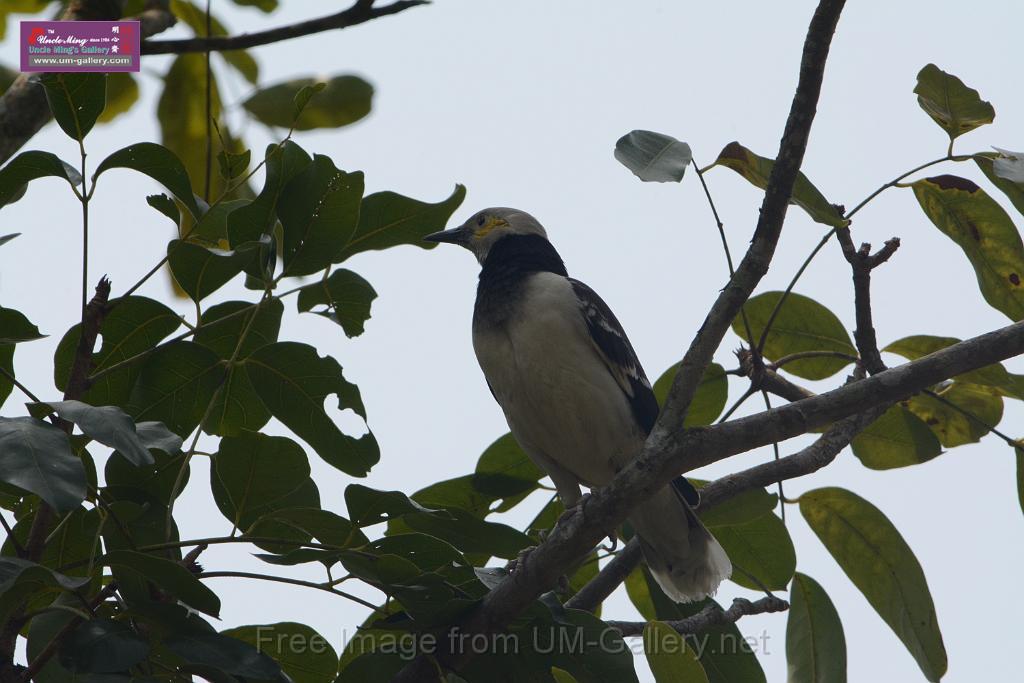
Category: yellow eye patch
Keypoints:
(490, 224)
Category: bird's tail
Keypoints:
(685, 559)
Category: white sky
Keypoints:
(522, 102)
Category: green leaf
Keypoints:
(302, 525)
(387, 219)
(248, 223)
(212, 228)
(223, 653)
(21, 580)
(254, 474)
(758, 170)
(175, 386)
(760, 548)
(169, 576)
(746, 507)
(426, 552)
(981, 228)
(29, 166)
(562, 676)
(37, 457)
(802, 324)
(979, 225)
(962, 414)
(102, 646)
(368, 506)
(896, 439)
(881, 564)
(4, 239)
(504, 470)
(233, 165)
(134, 324)
(951, 104)
(304, 95)
(16, 328)
(237, 407)
(347, 297)
(671, 661)
(707, 403)
(303, 654)
(293, 381)
(7, 365)
(76, 100)
(108, 425)
(470, 534)
(200, 270)
(653, 157)
(815, 644)
(995, 375)
(1013, 191)
(221, 333)
(122, 93)
(319, 210)
(156, 480)
(166, 206)
(160, 164)
(343, 101)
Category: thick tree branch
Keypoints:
(358, 13)
(769, 225)
(710, 616)
(806, 461)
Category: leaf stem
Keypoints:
(288, 580)
(11, 378)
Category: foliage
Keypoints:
(93, 573)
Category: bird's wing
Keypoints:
(618, 355)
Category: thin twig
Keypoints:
(709, 617)
(358, 13)
(291, 581)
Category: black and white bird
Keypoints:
(572, 390)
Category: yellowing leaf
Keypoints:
(981, 228)
(758, 169)
(957, 108)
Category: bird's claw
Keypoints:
(578, 506)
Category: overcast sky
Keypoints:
(522, 102)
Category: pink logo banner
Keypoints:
(80, 46)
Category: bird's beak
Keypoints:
(459, 235)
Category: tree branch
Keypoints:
(710, 616)
(358, 13)
(769, 225)
(810, 459)
(862, 262)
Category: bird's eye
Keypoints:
(480, 221)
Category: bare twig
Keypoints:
(710, 616)
(862, 262)
(358, 13)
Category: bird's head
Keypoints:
(484, 228)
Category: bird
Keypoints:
(573, 391)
